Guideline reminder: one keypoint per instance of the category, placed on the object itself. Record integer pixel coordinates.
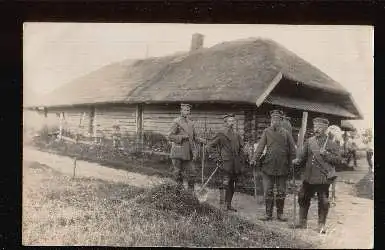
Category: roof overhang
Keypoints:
(309, 105)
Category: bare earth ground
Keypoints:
(350, 223)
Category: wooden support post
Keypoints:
(139, 126)
(302, 133)
(300, 141)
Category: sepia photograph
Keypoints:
(198, 135)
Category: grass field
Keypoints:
(58, 210)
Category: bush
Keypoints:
(156, 141)
(47, 133)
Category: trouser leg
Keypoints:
(178, 172)
(323, 203)
(231, 190)
(227, 188)
(191, 174)
(228, 184)
(304, 198)
(280, 198)
(268, 188)
(221, 196)
(222, 187)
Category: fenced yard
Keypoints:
(149, 156)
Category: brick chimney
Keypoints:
(196, 42)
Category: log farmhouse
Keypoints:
(247, 77)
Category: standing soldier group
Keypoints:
(274, 156)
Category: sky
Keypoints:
(56, 53)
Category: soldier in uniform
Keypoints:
(319, 157)
(228, 150)
(287, 125)
(275, 164)
(184, 151)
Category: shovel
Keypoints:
(202, 192)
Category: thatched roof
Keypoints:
(237, 71)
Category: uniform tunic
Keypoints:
(279, 151)
(228, 146)
(315, 176)
(183, 148)
(314, 171)
(183, 138)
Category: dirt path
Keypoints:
(90, 170)
(350, 223)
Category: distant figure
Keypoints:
(337, 150)
(369, 152)
(229, 152)
(184, 150)
(275, 164)
(318, 158)
(116, 136)
(352, 150)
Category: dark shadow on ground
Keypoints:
(364, 188)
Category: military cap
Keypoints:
(185, 105)
(320, 120)
(228, 115)
(276, 112)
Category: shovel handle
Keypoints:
(211, 176)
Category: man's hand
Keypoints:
(202, 140)
(295, 162)
(323, 152)
(253, 163)
(219, 162)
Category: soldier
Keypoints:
(275, 164)
(184, 151)
(319, 157)
(228, 150)
(287, 125)
(352, 149)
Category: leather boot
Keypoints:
(321, 228)
(221, 196)
(269, 203)
(323, 209)
(280, 203)
(302, 224)
(191, 187)
(228, 197)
